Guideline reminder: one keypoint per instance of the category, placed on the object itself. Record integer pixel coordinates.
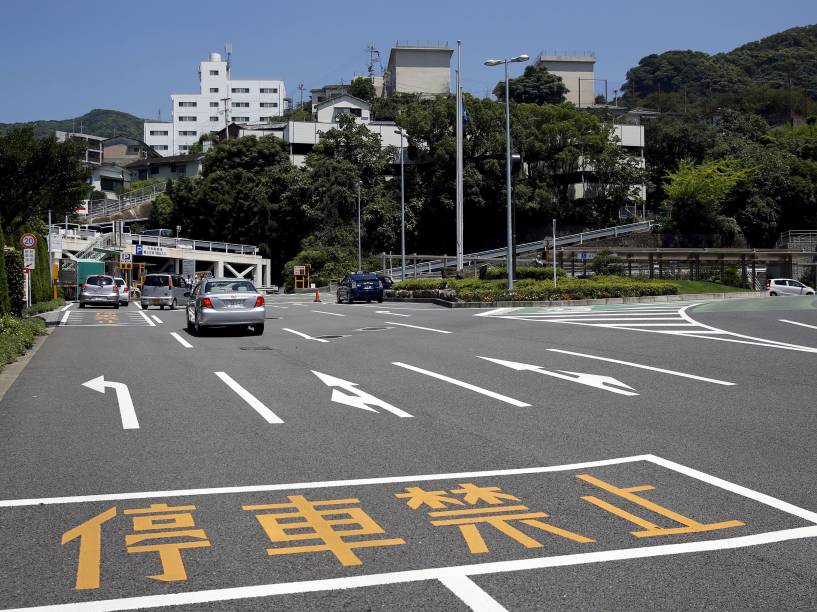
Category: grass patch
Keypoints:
(688, 286)
(17, 336)
(44, 307)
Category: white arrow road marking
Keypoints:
(464, 385)
(394, 314)
(431, 329)
(268, 415)
(181, 340)
(605, 383)
(797, 323)
(358, 398)
(646, 367)
(126, 411)
(303, 335)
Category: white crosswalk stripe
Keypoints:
(102, 318)
(672, 319)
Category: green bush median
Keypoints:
(17, 336)
(44, 307)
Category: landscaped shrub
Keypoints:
(44, 307)
(524, 272)
(14, 276)
(17, 336)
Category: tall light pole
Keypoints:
(496, 62)
(402, 208)
(359, 255)
(459, 207)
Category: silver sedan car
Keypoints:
(99, 289)
(218, 302)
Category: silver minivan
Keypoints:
(162, 290)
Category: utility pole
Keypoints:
(301, 89)
(226, 119)
(459, 172)
(359, 242)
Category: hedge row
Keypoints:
(598, 287)
(523, 272)
(44, 307)
(17, 336)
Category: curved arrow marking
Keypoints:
(605, 383)
(356, 397)
(126, 410)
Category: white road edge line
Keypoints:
(268, 415)
(147, 318)
(431, 329)
(798, 323)
(464, 385)
(334, 314)
(66, 307)
(303, 335)
(64, 319)
(471, 594)
(645, 367)
(157, 319)
(181, 340)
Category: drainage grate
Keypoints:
(255, 348)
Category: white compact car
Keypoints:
(787, 286)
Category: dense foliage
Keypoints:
(99, 122)
(535, 86)
(17, 336)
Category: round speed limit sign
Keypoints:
(28, 241)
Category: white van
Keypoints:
(162, 290)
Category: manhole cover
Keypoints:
(330, 337)
(372, 328)
(255, 348)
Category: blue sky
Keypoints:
(62, 58)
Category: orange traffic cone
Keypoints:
(317, 296)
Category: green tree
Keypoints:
(363, 88)
(5, 298)
(535, 86)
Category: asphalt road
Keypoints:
(376, 456)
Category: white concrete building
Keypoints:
(418, 68)
(628, 137)
(221, 100)
(329, 110)
(578, 75)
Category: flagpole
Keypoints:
(459, 211)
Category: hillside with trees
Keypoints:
(99, 122)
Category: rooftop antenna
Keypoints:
(301, 89)
(159, 113)
(374, 60)
(228, 51)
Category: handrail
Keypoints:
(125, 201)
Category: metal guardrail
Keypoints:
(429, 267)
(126, 201)
(796, 239)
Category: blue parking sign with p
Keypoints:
(138, 249)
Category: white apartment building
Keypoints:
(221, 100)
(577, 73)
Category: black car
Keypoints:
(386, 281)
(360, 287)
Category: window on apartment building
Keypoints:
(269, 90)
(186, 118)
(158, 132)
(240, 119)
(160, 147)
(240, 90)
(269, 105)
(214, 73)
(187, 132)
(265, 118)
(214, 90)
(213, 104)
(181, 148)
(241, 105)
(187, 104)
(214, 118)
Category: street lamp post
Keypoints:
(402, 208)
(359, 255)
(496, 62)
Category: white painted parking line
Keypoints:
(471, 594)
(274, 306)
(645, 367)
(181, 340)
(303, 335)
(157, 319)
(431, 329)
(268, 415)
(464, 385)
(147, 318)
(334, 314)
(798, 323)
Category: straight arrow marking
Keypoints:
(605, 383)
(356, 398)
(126, 411)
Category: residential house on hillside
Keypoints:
(172, 167)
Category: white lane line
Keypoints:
(268, 415)
(138, 305)
(64, 319)
(471, 594)
(157, 319)
(303, 335)
(334, 314)
(394, 314)
(66, 307)
(798, 323)
(464, 385)
(181, 340)
(147, 318)
(645, 367)
(274, 306)
(431, 329)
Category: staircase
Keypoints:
(125, 202)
